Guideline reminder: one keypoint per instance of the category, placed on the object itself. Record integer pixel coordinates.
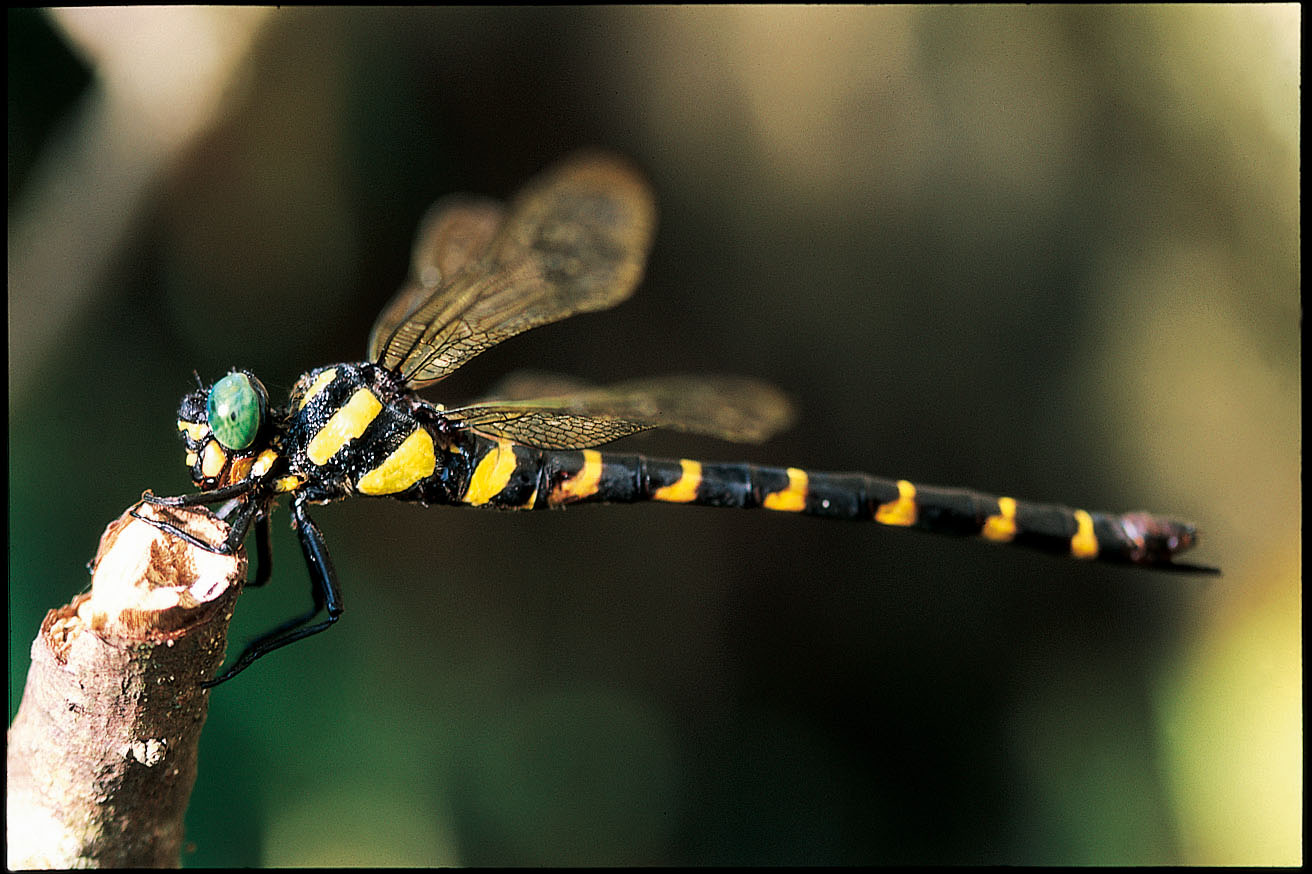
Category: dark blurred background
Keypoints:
(1043, 251)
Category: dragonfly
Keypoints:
(574, 240)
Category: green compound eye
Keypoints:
(235, 409)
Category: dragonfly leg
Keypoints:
(239, 522)
(214, 496)
(323, 589)
(238, 526)
(263, 552)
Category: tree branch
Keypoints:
(102, 754)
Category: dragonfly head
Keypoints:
(226, 430)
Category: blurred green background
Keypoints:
(1044, 251)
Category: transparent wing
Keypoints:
(575, 240)
(730, 407)
(455, 232)
(523, 385)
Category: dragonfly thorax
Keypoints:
(354, 429)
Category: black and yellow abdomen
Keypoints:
(352, 429)
(506, 475)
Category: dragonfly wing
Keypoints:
(729, 407)
(455, 232)
(523, 385)
(575, 240)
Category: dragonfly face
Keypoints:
(227, 430)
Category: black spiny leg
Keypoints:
(323, 589)
(238, 527)
(249, 510)
(263, 552)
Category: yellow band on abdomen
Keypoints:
(491, 474)
(582, 484)
(901, 512)
(791, 499)
(1002, 527)
(684, 489)
(1084, 544)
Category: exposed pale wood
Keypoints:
(102, 754)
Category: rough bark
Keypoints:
(102, 754)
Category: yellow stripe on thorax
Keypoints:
(320, 383)
(684, 489)
(410, 462)
(1084, 544)
(492, 473)
(791, 499)
(1002, 527)
(345, 425)
(902, 511)
(582, 484)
